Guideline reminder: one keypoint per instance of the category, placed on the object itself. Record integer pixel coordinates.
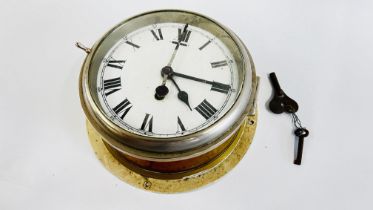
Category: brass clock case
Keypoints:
(177, 163)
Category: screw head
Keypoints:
(147, 184)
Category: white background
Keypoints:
(322, 52)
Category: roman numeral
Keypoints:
(132, 44)
(220, 87)
(147, 123)
(116, 64)
(112, 85)
(183, 35)
(122, 108)
(204, 45)
(181, 126)
(219, 64)
(206, 109)
(159, 36)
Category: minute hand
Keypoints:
(192, 78)
(216, 86)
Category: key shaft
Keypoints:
(301, 133)
(298, 158)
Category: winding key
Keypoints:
(280, 103)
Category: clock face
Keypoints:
(196, 76)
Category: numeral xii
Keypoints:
(183, 35)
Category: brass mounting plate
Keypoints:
(202, 176)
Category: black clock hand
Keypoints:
(182, 95)
(192, 78)
(220, 87)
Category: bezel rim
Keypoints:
(114, 135)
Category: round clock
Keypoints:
(169, 98)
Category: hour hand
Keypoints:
(182, 95)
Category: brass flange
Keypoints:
(185, 180)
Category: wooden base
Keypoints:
(176, 182)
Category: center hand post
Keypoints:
(182, 95)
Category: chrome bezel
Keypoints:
(181, 147)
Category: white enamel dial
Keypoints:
(131, 71)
